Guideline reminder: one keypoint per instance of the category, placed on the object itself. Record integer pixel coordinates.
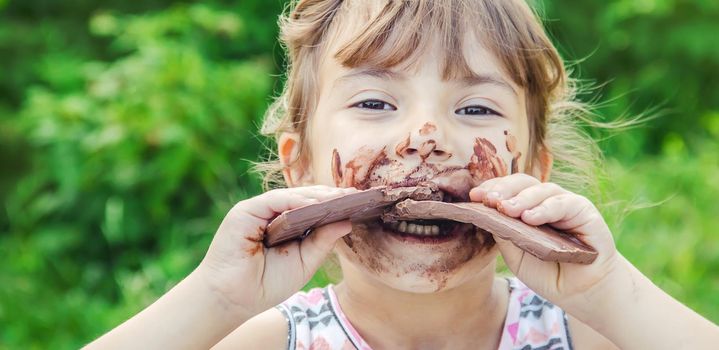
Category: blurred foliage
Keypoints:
(126, 131)
(646, 56)
(129, 164)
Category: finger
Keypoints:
(322, 192)
(554, 209)
(514, 257)
(491, 192)
(526, 266)
(529, 198)
(577, 222)
(314, 249)
(267, 205)
(478, 193)
(510, 253)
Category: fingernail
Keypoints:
(494, 195)
(512, 202)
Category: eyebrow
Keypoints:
(482, 79)
(471, 80)
(371, 72)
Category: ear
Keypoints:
(288, 148)
(542, 168)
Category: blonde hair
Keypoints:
(391, 32)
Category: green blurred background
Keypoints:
(127, 129)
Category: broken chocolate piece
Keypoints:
(424, 202)
(354, 206)
(542, 241)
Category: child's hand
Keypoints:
(536, 203)
(251, 278)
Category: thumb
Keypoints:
(316, 246)
(511, 254)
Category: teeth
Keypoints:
(435, 230)
(428, 230)
(412, 228)
(416, 229)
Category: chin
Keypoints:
(423, 264)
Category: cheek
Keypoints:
(493, 156)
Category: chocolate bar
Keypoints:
(356, 206)
(424, 202)
(543, 241)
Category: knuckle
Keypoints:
(498, 188)
(487, 184)
(273, 193)
(554, 201)
(551, 187)
(588, 202)
(526, 177)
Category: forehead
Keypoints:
(351, 44)
(481, 68)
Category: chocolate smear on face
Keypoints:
(427, 129)
(401, 148)
(426, 149)
(358, 171)
(336, 168)
(371, 246)
(485, 163)
(367, 246)
(512, 148)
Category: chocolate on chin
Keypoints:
(424, 202)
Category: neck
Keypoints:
(391, 318)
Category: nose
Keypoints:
(427, 144)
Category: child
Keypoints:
(471, 95)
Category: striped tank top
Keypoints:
(316, 321)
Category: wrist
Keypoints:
(221, 304)
(613, 287)
(616, 306)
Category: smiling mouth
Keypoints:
(422, 227)
(426, 231)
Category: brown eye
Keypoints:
(375, 105)
(476, 110)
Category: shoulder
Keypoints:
(281, 326)
(267, 330)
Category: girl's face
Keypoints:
(407, 125)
